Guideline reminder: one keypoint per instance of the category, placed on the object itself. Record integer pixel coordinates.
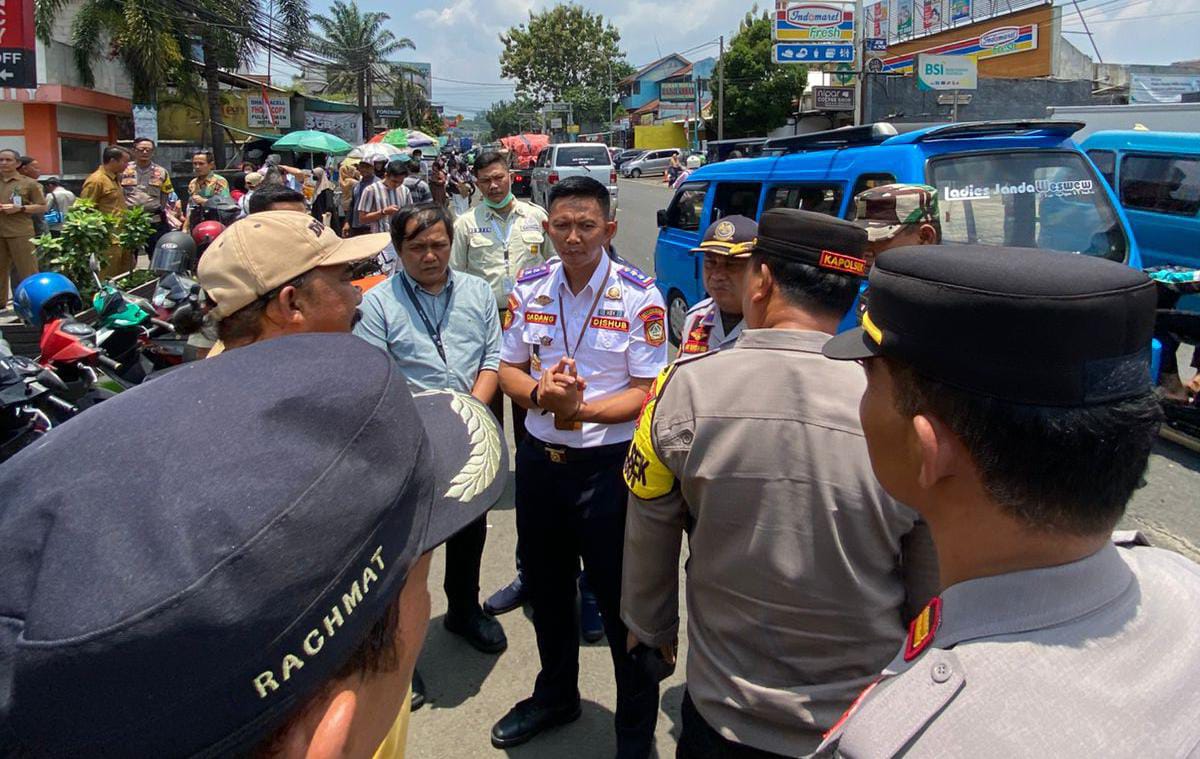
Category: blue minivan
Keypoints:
(1011, 183)
(1156, 176)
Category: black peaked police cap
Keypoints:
(186, 562)
(816, 239)
(1028, 326)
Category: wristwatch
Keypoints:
(533, 396)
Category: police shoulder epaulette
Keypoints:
(537, 272)
(643, 281)
(687, 358)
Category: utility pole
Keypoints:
(270, 23)
(859, 46)
(721, 91)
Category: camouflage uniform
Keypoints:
(885, 210)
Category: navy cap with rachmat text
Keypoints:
(1024, 325)
(188, 562)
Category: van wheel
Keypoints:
(636, 173)
(677, 308)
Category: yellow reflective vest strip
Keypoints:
(645, 474)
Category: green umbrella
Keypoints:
(312, 141)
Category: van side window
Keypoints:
(688, 206)
(1106, 162)
(1164, 184)
(819, 198)
(867, 182)
(736, 199)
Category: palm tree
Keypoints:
(358, 46)
(153, 40)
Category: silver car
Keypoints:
(569, 159)
(650, 163)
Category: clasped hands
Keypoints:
(560, 390)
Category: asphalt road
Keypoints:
(469, 691)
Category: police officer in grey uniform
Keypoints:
(716, 321)
(1008, 401)
(800, 564)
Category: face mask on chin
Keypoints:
(502, 203)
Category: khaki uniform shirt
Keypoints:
(497, 249)
(802, 571)
(102, 188)
(148, 187)
(30, 192)
(1094, 658)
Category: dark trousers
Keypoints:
(464, 554)
(698, 740)
(565, 512)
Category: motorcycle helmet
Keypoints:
(205, 232)
(222, 208)
(174, 252)
(46, 293)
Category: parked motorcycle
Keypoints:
(130, 333)
(29, 407)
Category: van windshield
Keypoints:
(582, 155)
(1036, 199)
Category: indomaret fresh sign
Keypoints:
(813, 22)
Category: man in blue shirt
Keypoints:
(443, 330)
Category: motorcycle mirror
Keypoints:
(93, 264)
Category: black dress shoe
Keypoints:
(418, 692)
(478, 629)
(527, 719)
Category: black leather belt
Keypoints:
(564, 454)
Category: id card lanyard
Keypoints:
(562, 312)
(502, 235)
(435, 333)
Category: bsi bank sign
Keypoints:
(947, 72)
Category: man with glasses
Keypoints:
(442, 328)
(496, 240)
(148, 185)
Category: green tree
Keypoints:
(151, 37)
(759, 94)
(359, 45)
(508, 117)
(150, 50)
(565, 54)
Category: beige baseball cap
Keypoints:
(265, 250)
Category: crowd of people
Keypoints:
(898, 465)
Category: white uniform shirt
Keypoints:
(624, 337)
(704, 330)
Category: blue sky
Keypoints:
(460, 37)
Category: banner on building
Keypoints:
(877, 20)
(904, 19)
(1002, 40)
(677, 92)
(931, 16)
(947, 72)
(348, 126)
(18, 48)
(1147, 88)
(813, 22)
(960, 10)
(145, 122)
(280, 115)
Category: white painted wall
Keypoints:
(12, 116)
(79, 121)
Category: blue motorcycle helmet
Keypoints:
(46, 293)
